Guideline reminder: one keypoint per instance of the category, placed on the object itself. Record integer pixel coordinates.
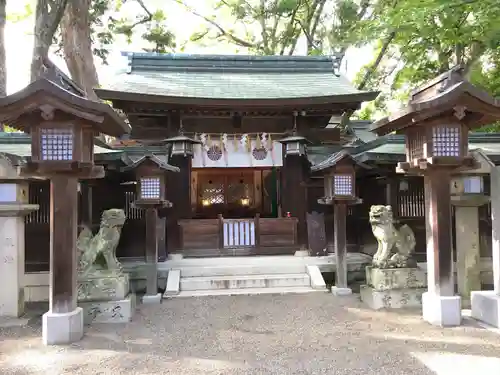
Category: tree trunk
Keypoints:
(3, 61)
(48, 15)
(77, 46)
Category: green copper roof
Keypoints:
(231, 77)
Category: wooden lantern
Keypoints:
(62, 142)
(182, 145)
(445, 141)
(437, 120)
(150, 178)
(339, 173)
(150, 184)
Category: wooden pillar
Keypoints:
(63, 226)
(294, 199)
(438, 228)
(152, 295)
(179, 193)
(340, 240)
(63, 264)
(440, 306)
(162, 243)
(86, 203)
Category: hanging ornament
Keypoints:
(258, 143)
(203, 140)
(209, 141)
(243, 140)
(263, 140)
(235, 142)
(223, 139)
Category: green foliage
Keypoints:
(106, 26)
(430, 37)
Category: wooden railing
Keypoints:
(215, 237)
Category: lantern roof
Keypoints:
(134, 161)
(294, 138)
(43, 94)
(447, 93)
(341, 157)
(181, 138)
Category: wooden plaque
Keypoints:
(316, 233)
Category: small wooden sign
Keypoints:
(316, 233)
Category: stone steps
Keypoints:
(244, 281)
(249, 291)
(231, 270)
(241, 278)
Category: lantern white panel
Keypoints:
(473, 184)
(342, 184)
(56, 144)
(150, 188)
(446, 141)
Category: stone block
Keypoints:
(485, 307)
(317, 281)
(62, 328)
(337, 291)
(391, 298)
(381, 279)
(441, 311)
(173, 283)
(103, 285)
(152, 299)
(120, 311)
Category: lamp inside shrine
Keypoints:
(182, 145)
(295, 144)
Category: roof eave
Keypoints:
(110, 124)
(358, 98)
(463, 93)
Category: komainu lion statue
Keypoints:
(104, 242)
(395, 247)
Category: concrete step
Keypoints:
(242, 269)
(244, 281)
(247, 291)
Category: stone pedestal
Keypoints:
(393, 287)
(467, 243)
(104, 297)
(442, 311)
(485, 305)
(12, 258)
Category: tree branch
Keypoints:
(369, 72)
(222, 31)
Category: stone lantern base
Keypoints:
(485, 306)
(393, 287)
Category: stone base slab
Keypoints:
(62, 328)
(103, 285)
(337, 291)
(485, 307)
(391, 299)
(120, 311)
(441, 311)
(152, 300)
(395, 278)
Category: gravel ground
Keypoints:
(293, 334)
